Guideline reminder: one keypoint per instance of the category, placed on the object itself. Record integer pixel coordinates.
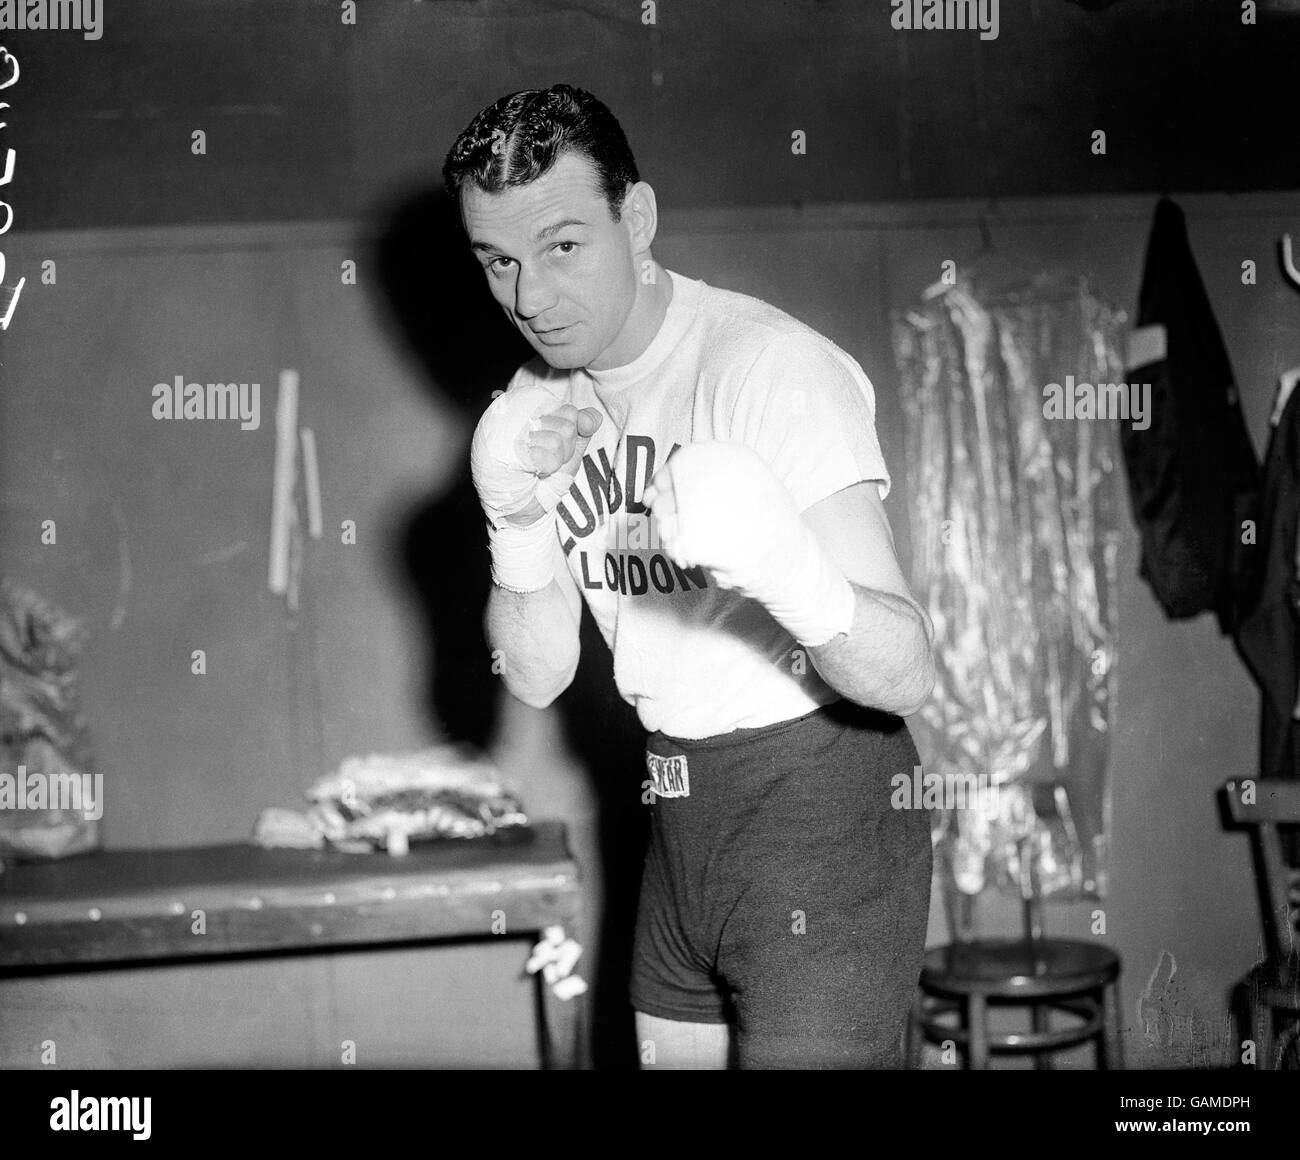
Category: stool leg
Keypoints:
(1040, 1021)
(1110, 1041)
(914, 1039)
(1101, 1041)
(977, 1058)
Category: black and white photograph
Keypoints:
(650, 535)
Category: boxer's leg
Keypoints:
(833, 987)
(667, 1044)
(823, 952)
(680, 1018)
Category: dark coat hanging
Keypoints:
(1193, 475)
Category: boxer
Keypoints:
(702, 471)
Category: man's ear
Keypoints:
(641, 215)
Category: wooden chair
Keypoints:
(962, 981)
(1267, 1000)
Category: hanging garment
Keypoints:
(1193, 476)
(1015, 531)
(1268, 637)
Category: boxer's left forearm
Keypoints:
(886, 661)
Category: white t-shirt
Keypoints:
(696, 660)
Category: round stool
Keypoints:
(961, 981)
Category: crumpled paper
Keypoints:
(555, 956)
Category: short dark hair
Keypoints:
(520, 137)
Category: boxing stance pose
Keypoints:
(703, 470)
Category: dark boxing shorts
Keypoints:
(782, 893)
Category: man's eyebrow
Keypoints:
(547, 231)
(540, 235)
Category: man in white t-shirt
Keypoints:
(703, 470)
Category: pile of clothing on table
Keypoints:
(386, 801)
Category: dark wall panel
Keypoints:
(309, 118)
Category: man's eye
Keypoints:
(572, 246)
(492, 264)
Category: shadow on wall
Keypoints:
(435, 293)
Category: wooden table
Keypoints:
(131, 907)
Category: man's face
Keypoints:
(555, 260)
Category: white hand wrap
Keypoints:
(723, 506)
(523, 558)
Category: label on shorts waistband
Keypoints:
(669, 776)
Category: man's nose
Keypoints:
(533, 294)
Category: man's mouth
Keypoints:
(554, 332)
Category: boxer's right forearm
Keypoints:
(534, 636)
(523, 458)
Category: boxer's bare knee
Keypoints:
(667, 1045)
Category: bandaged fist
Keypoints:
(525, 453)
(721, 506)
(558, 438)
